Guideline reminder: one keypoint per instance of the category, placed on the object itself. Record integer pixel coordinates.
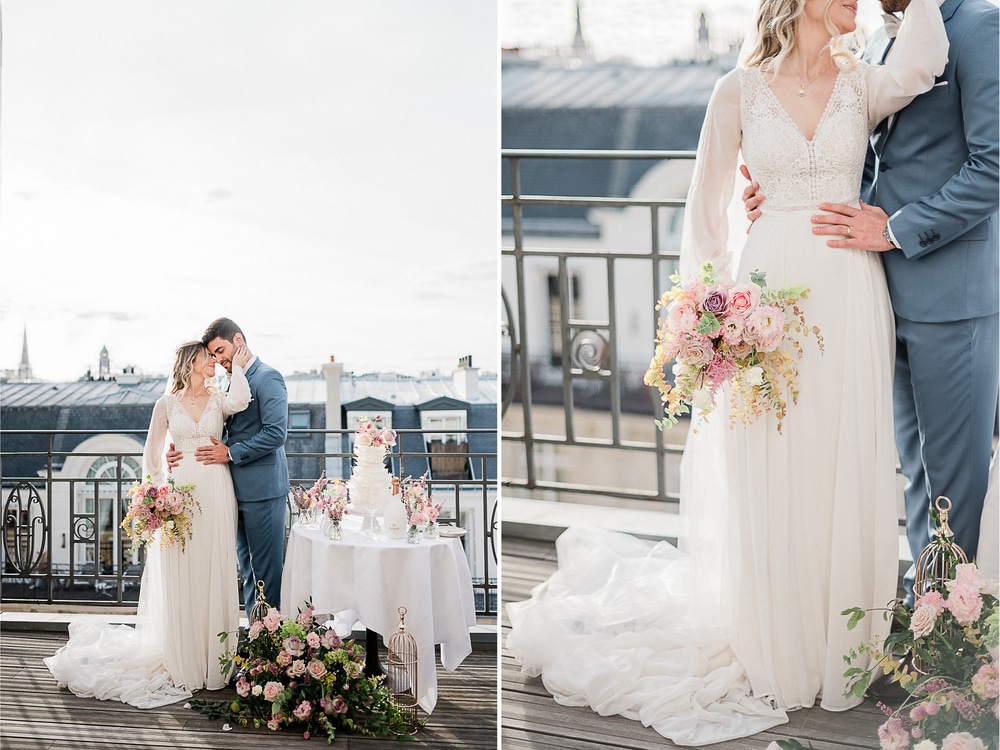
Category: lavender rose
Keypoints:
(716, 300)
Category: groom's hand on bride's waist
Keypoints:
(216, 453)
(173, 457)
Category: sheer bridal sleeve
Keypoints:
(156, 441)
(237, 398)
(705, 235)
(918, 55)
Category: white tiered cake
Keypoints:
(370, 484)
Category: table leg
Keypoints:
(373, 667)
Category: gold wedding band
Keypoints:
(848, 231)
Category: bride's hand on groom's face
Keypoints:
(241, 356)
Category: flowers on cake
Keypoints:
(420, 509)
(369, 434)
(297, 673)
(718, 332)
(164, 508)
(952, 634)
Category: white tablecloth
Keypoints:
(359, 578)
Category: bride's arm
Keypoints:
(705, 234)
(917, 56)
(237, 398)
(156, 440)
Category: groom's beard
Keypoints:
(894, 6)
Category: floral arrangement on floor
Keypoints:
(719, 332)
(953, 635)
(420, 509)
(297, 673)
(166, 508)
(369, 434)
(326, 497)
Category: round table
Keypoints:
(369, 579)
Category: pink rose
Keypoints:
(297, 668)
(417, 518)
(962, 741)
(923, 619)
(271, 691)
(255, 630)
(243, 687)
(275, 722)
(741, 349)
(694, 288)
(966, 574)
(163, 491)
(303, 711)
(338, 705)
(716, 300)
(316, 669)
(283, 658)
(681, 317)
(294, 645)
(985, 682)
(932, 598)
(313, 640)
(330, 640)
(272, 620)
(966, 604)
(697, 352)
(896, 740)
(744, 298)
(305, 619)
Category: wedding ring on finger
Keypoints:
(848, 231)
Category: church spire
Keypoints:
(24, 369)
(581, 50)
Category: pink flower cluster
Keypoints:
(164, 508)
(369, 434)
(419, 508)
(718, 332)
(325, 496)
(964, 601)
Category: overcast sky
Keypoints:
(322, 171)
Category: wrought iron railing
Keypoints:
(95, 566)
(589, 356)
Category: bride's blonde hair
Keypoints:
(184, 360)
(777, 26)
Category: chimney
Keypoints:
(466, 379)
(332, 371)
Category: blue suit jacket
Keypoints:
(256, 437)
(938, 166)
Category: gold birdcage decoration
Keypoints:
(259, 609)
(936, 563)
(401, 670)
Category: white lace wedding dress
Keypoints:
(187, 597)
(784, 531)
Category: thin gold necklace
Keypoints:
(802, 86)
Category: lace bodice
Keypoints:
(188, 433)
(795, 173)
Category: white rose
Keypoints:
(257, 690)
(753, 376)
(925, 745)
(702, 399)
(922, 621)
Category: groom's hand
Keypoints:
(860, 228)
(173, 457)
(216, 453)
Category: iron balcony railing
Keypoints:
(90, 563)
(589, 353)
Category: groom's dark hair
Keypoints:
(222, 328)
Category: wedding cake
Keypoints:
(370, 484)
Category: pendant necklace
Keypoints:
(802, 86)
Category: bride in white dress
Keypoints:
(784, 530)
(188, 595)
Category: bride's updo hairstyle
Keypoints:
(776, 27)
(184, 361)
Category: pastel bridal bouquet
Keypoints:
(952, 634)
(368, 434)
(298, 673)
(718, 332)
(165, 508)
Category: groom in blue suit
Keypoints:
(930, 208)
(254, 444)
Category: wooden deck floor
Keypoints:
(530, 718)
(37, 715)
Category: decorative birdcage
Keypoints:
(401, 670)
(259, 609)
(936, 563)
